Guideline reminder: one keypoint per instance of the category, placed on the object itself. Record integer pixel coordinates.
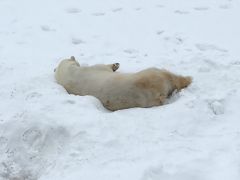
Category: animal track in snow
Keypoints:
(201, 8)
(33, 95)
(31, 136)
(209, 47)
(181, 12)
(138, 9)
(175, 40)
(160, 6)
(130, 51)
(160, 32)
(207, 65)
(117, 9)
(77, 41)
(73, 10)
(3, 142)
(225, 6)
(236, 63)
(46, 28)
(158, 172)
(69, 102)
(204, 69)
(217, 107)
(98, 14)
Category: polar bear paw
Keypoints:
(115, 66)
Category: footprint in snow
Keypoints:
(207, 66)
(21, 42)
(73, 10)
(176, 40)
(236, 63)
(69, 102)
(117, 9)
(46, 28)
(77, 41)
(45, 138)
(217, 107)
(14, 21)
(225, 6)
(32, 137)
(160, 6)
(138, 9)
(33, 95)
(3, 142)
(160, 32)
(202, 8)
(158, 172)
(204, 69)
(130, 51)
(98, 14)
(209, 47)
(181, 12)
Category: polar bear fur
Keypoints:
(147, 88)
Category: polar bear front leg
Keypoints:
(106, 67)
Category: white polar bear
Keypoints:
(147, 88)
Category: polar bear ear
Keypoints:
(73, 58)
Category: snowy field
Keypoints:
(47, 134)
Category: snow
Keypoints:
(47, 134)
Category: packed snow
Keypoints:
(47, 134)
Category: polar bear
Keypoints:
(147, 88)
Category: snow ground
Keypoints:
(47, 134)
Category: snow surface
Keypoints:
(47, 134)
